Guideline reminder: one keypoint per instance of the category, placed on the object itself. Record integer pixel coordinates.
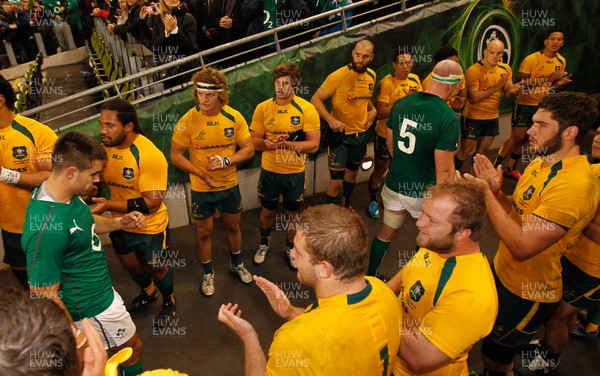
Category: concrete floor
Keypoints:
(198, 344)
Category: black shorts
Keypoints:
(204, 204)
(523, 116)
(148, 248)
(473, 129)
(580, 289)
(518, 319)
(13, 253)
(352, 150)
(271, 185)
(381, 149)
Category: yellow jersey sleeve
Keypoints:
(388, 94)
(258, 118)
(181, 133)
(22, 145)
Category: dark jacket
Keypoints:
(239, 25)
(132, 25)
(184, 42)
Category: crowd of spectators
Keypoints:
(169, 28)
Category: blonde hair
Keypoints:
(212, 76)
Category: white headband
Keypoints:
(203, 86)
(450, 80)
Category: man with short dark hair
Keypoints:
(284, 128)
(446, 290)
(538, 224)
(25, 149)
(42, 339)
(581, 290)
(136, 179)
(65, 259)
(350, 89)
(352, 328)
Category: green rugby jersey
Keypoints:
(421, 123)
(61, 245)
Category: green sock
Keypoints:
(458, 163)
(378, 250)
(512, 162)
(165, 285)
(132, 370)
(348, 188)
(498, 161)
(373, 193)
(143, 280)
(236, 258)
(331, 199)
(207, 266)
(265, 235)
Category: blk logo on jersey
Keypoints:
(528, 193)
(19, 152)
(128, 173)
(228, 132)
(417, 291)
(295, 120)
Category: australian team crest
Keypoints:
(370, 87)
(228, 132)
(417, 291)
(295, 120)
(528, 193)
(19, 152)
(128, 173)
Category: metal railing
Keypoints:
(151, 88)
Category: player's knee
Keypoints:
(497, 352)
(393, 220)
(291, 206)
(137, 348)
(269, 206)
(134, 268)
(204, 234)
(336, 176)
(232, 228)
